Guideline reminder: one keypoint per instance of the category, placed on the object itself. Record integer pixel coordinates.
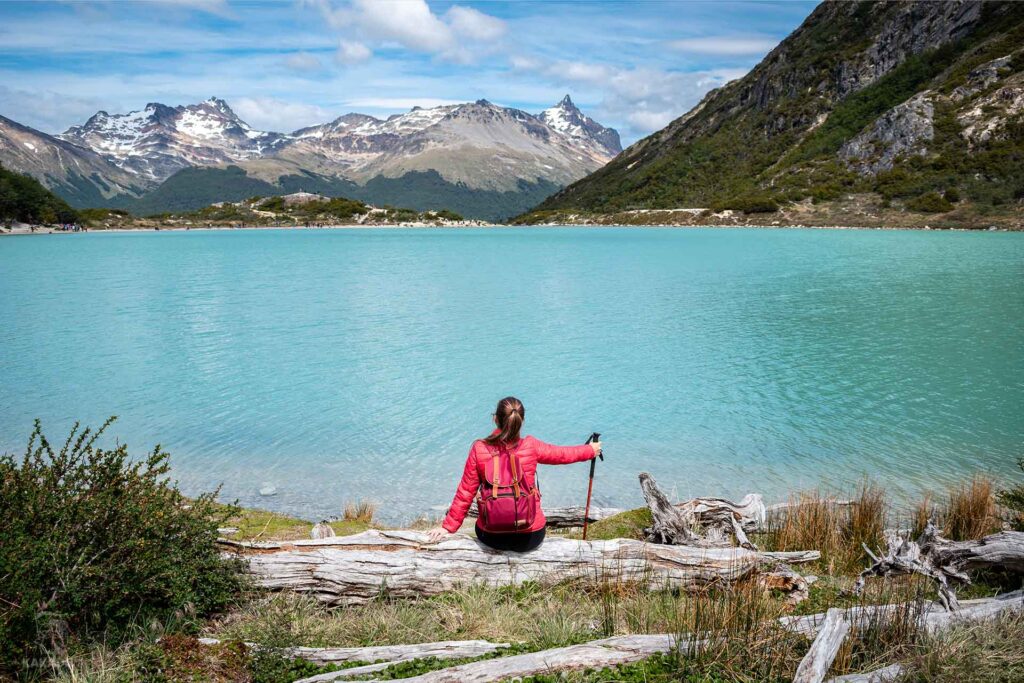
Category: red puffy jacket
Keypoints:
(529, 453)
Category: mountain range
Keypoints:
(912, 106)
(479, 159)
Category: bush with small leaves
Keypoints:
(95, 543)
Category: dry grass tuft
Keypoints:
(816, 522)
(362, 511)
(971, 512)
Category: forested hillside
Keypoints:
(24, 200)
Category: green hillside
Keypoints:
(23, 199)
(193, 188)
(917, 103)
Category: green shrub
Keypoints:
(749, 204)
(448, 215)
(952, 195)
(929, 202)
(272, 204)
(94, 543)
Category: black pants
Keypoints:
(518, 542)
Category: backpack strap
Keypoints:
(494, 479)
(515, 475)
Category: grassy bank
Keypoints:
(853, 211)
(147, 636)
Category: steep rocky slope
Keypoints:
(77, 174)
(900, 100)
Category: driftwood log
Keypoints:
(704, 522)
(355, 569)
(945, 561)
(597, 654)
(819, 658)
(885, 675)
(620, 650)
(382, 656)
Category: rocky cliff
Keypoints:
(893, 99)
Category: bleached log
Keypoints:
(670, 525)
(819, 658)
(565, 517)
(355, 569)
(750, 512)
(597, 654)
(884, 675)
(446, 649)
(946, 562)
(382, 656)
(796, 586)
(932, 617)
(705, 522)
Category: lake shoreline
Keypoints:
(40, 230)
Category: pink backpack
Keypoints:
(505, 505)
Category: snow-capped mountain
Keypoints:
(479, 144)
(159, 140)
(482, 158)
(567, 119)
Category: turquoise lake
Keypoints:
(333, 365)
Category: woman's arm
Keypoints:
(547, 454)
(463, 495)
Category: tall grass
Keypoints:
(361, 511)
(816, 522)
(971, 511)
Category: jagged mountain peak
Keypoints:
(159, 140)
(566, 118)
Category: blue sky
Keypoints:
(283, 65)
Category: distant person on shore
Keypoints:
(501, 471)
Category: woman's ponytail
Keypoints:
(509, 417)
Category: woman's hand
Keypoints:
(438, 534)
(596, 445)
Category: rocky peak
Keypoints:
(566, 118)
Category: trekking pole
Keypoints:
(590, 486)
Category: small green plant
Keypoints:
(95, 543)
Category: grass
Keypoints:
(265, 525)
(971, 510)
(750, 647)
(814, 520)
(628, 524)
(989, 652)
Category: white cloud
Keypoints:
(724, 46)
(469, 23)
(45, 110)
(352, 52)
(303, 61)
(461, 35)
(268, 113)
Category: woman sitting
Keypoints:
(502, 469)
